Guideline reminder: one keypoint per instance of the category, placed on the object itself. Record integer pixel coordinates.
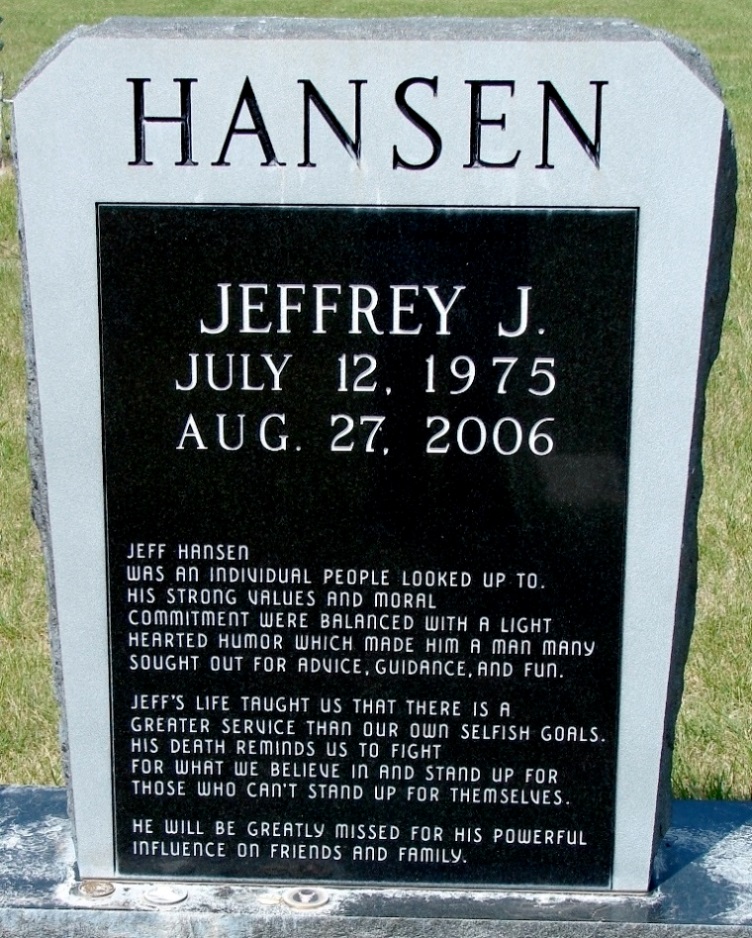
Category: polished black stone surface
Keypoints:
(416, 422)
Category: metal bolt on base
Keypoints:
(94, 888)
(164, 894)
(305, 897)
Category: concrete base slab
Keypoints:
(703, 888)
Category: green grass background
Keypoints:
(714, 742)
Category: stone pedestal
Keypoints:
(702, 889)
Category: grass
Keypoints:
(28, 730)
(714, 738)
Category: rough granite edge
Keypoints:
(40, 510)
(717, 285)
(527, 29)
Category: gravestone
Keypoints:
(368, 363)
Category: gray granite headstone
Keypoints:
(367, 365)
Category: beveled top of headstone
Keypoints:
(521, 29)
